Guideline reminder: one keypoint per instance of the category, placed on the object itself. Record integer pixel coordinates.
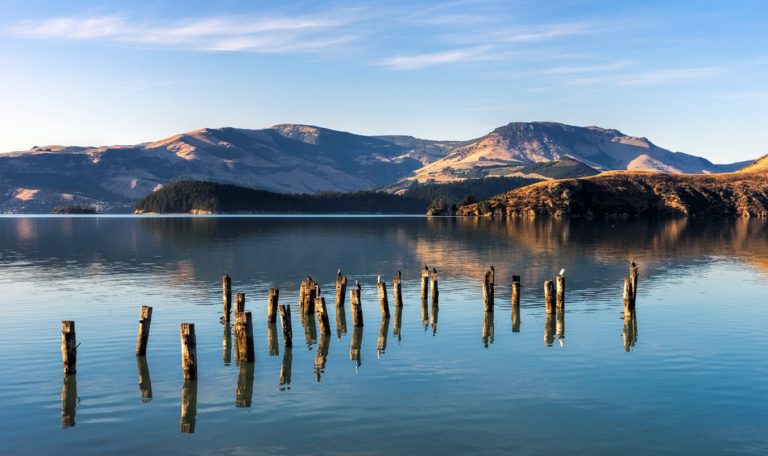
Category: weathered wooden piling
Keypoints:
(341, 289)
(633, 278)
(357, 308)
(355, 345)
(68, 400)
(239, 304)
(188, 406)
(322, 316)
(628, 308)
(381, 345)
(188, 351)
(516, 319)
(244, 391)
(226, 344)
(321, 356)
(434, 312)
(424, 314)
(272, 300)
(244, 335)
(492, 281)
(560, 298)
(383, 301)
(145, 320)
(68, 347)
(488, 329)
(424, 282)
(488, 292)
(435, 292)
(397, 289)
(308, 291)
(226, 295)
(398, 322)
(145, 381)
(272, 345)
(549, 296)
(516, 303)
(285, 367)
(285, 322)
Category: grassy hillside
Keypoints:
(211, 197)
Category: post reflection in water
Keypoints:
(630, 332)
(560, 327)
(488, 329)
(272, 345)
(236, 347)
(341, 322)
(68, 400)
(310, 329)
(424, 314)
(355, 344)
(322, 355)
(398, 323)
(433, 317)
(145, 382)
(285, 369)
(549, 330)
(244, 392)
(516, 319)
(226, 345)
(381, 346)
(188, 406)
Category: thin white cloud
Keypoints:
(672, 76)
(212, 34)
(580, 69)
(416, 61)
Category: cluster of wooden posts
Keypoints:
(311, 302)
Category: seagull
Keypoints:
(562, 272)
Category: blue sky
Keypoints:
(690, 75)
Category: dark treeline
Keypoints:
(74, 209)
(189, 196)
(467, 191)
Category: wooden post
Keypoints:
(487, 292)
(424, 282)
(239, 304)
(68, 400)
(433, 317)
(357, 308)
(244, 391)
(355, 344)
(68, 347)
(226, 295)
(322, 355)
(272, 298)
(633, 279)
(424, 314)
(488, 329)
(285, 321)
(188, 406)
(383, 301)
(188, 351)
(285, 366)
(272, 345)
(435, 293)
(307, 293)
(398, 290)
(560, 327)
(244, 335)
(226, 344)
(492, 281)
(549, 296)
(145, 381)
(341, 289)
(145, 319)
(560, 286)
(628, 308)
(516, 303)
(322, 316)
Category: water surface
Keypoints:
(686, 376)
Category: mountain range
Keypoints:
(292, 158)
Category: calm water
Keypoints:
(692, 379)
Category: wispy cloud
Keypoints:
(410, 62)
(295, 34)
(672, 76)
(580, 69)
